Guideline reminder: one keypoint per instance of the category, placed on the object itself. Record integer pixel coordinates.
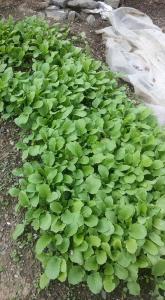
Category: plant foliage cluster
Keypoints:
(92, 183)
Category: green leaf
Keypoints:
(44, 281)
(156, 239)
(52, 270)
(103, 171)
(161, 203)
(34, 150)
(105, 226)
(108, 284)
(45, 221)
(108, 269)
(137, 231)
(23, 199)
(133, 288)
(97, 158)
(76, 257)
(131, 246)
(14, 192)
(44, 190)
(159, 224)
(159, 268)
(18, 231)
(91, 263)
(94, 282)
(101, 257)
(93, 184)
(21, 120)
(42, 243)
(75, 149)
(35, 178)
(125, 212)
(146, 161)
(130, 178)
(56, 207)
(157, 164)
(94, 240)
(120, 272)
(75, 275)
(91, 221)
(150, 247)
(48, 158)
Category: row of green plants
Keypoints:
(92, 180)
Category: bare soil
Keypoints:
(19, 270)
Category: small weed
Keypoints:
(15, 256)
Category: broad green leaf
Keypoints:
(159, 224)
(131, 246)
(130, 178)
(161, 203)
(133, 288)
(48, 158)
(75, 149)
(94, 240)
(76, 275)
(56, 207)
(45, 221)
(108, 269)
(157, 164)
(76, 257)
(137, 231)
(150, 247)
(18, 231)
(44, 190)
(146, 161)
(108, 284)
(94, 282)
(44, 281)
(125, 212)
(120, 272)
(91, 221)
(105, 226)
(93, 184)
(23, 199)
(35, 178)
(14, 192)
(156, 239)
(103, 171)
(97, 158)
(101, 257)
(91, 263)
(159, 268)
(42, 243)
(52, 270)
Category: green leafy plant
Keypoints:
(92, 179)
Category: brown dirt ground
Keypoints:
(19, 270)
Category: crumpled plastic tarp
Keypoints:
(135, 48)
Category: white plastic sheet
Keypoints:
(135, 48)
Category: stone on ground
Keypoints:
(60, 3)
(91, 20)
(71, 16)
(56, 15)
(78, 4)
